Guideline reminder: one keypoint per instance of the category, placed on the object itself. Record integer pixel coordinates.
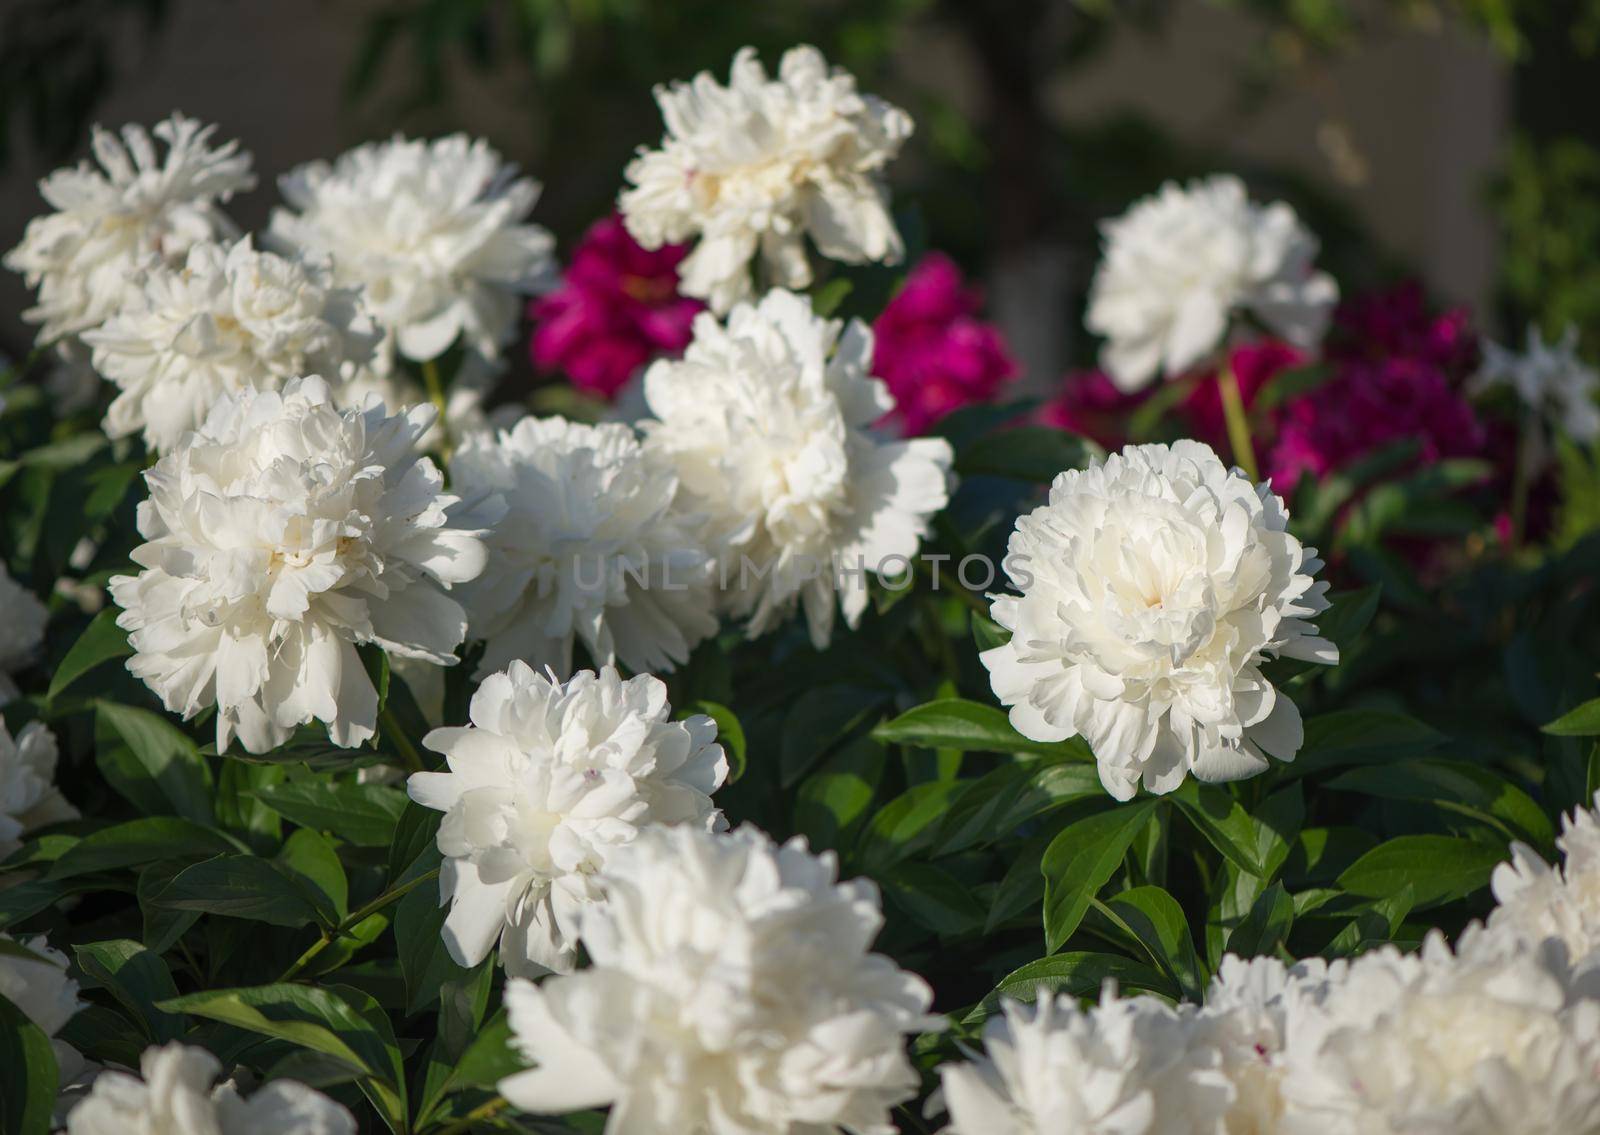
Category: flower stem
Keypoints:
(402, 744)
(435, 387)
(476, 1115)
(354, 919)
(1244, 453)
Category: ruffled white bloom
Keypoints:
(29, 797)
(433, 232)
(21, 631)
(46, 995)
(544, 786)
(1550, 380)
(1153, 587)
(1124, 1067)
(229, 318)
(109, 221)
(591, 549)
(731, 993)
(766, 419)
(760, 164)
(281, 534)
(1538, 902)
(176, 1097)
(1440, 1044)
(1179, 265)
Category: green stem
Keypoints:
(402, 743)
(435, 387)
(1244, 452)
(477, 1115)
(354, 919)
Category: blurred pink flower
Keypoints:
(1396, 322)
(931, 349)
(1254, 365)
(617, 308)
(1091, 405)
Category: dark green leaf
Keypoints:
(1081, 859)
(1000, 802)
(29, 1077)
(309, 857)
(1026, 453)
(100, 642)
(240, 886)
(138, 979)
(138, 842)
(1158, 925)
(362, 814)
(818, 721)
(1079, 973)
(156, 766)
(1218, 817)
(953, 723)
(1266, 926)
(1584, 721)
(934, 898)
(1457, 787)
(1437, 868)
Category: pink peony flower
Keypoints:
(1396, 322)
(931, 349)
(1091, 406)
(617, 308)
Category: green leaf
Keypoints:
(829, 296)
(819, 720)
(1233, 894)
(730, 734)
(1373, 927)
(361, 814)
(954, 723)
(934, 898)
(1081, 859)
(100, 642)
(1457, 787)
(907, 824)
(487, 1060)
(310, 858)
(1224, 823)
(1001, 801)
(29, 1078)
(1359, 736)
(1267, 925)
(1584, 721)
(156, 766)
(1158, 925)
(1277, 822)
(415, 847)
(425, 964)
(162, 927)
(138, 842)
(988, 634)
(1438, 869)
(240, 886)
(1079, 973)
(833, 801)
(1024, 453)
(1021, 887)
(138, 979)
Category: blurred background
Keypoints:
(1456, 142)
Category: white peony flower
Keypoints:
(760, 164)
(1179, 265)
(107, 224)
(766, 419)
(1440, 1044)
(731, 993)
(1153, 585)
(1538, 902)
(433, 232)
(228, 319)
(1550, 380)
(548, 781)
(46, 995)
(176, 1097)
(1124, 1067)
(282, 534)
(591, 549)
(21, 631)
(29, 797)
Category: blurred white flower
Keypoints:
(109, 221)
(21, 631)
(1153, 585)
(1538, 902)
(45, 994)
(464, 414)
(281, 534)
(548, 781)
(229, 318)
(1124, 1067)
(1179, 265)
(591, 549)
(176, 1097)
(760, 164)
(433, 232)
(1442, 1044)
(731, 993)
(29, 797)
(1550, 380)
(766, 419)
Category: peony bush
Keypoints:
(806, 734)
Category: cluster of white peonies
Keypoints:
(1537, 902)
(229, 319)
(1179, 265)
(29, 797)
(754, 167)
(731, 991)
(1550, 381)
(177, 1091)
(282, 534)
(592, 548)
(765, 421)
(34, 978)
(433, 233)
(542, 790)
(1152, 587)
(21, 631)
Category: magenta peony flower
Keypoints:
(1397, 322)
(1254, 365)
(617, 308)
(1091, 406)
(931, 349)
